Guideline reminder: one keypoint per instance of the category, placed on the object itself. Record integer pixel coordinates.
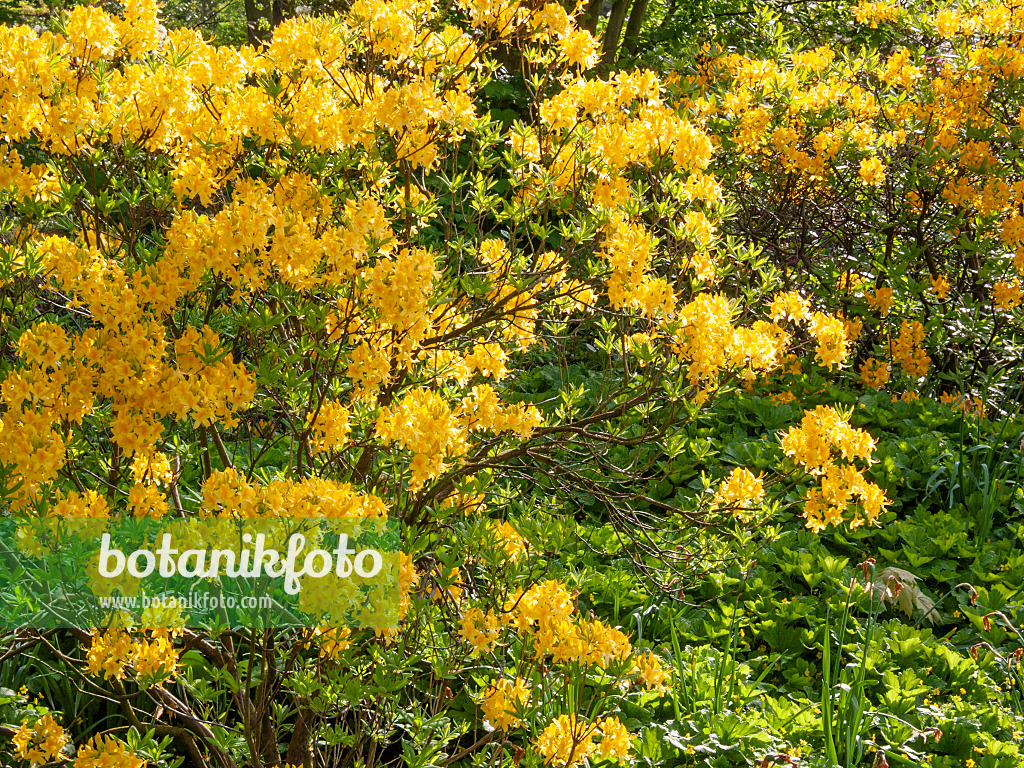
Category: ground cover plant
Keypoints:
(683, 342)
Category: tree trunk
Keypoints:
(633, 27)
(613, 33)
(591, 15)
(298, 747)
(254, 15)
(261, 17)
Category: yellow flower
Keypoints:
(964, 403)
(110, 653)
(408, 578)
(42, 743)
(501, 700)
(333, 641)
(899, 71)
(853, 326)
(1006, 295)
(114, 651)
(510, 541)
(872, 171)
(330, 428)
(480, 630)
(579, 49)
(941, 286)
(790, 306)
(880, 300)
(740, 489)
(822, 433)
(600, 644)
(156, 659)
(947, 23)
(874, 374)
(650, 671)
(106, 751)
(907, 350)
(875, 12)
(615, 739)
(146, 500)
(830, 333)
(545, 602)
(566, 742)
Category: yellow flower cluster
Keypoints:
(147, 501)
(424, 420)
(899, 71)
(88, 504)
(852, 326)
(1007, 294)
(114, 651)
(107, 752)
(545, 613)
(790, 306)
(826, 446)
(650, 672)
(424, 423)
(481, 630)
(568, 741)
(333, 641)
(907, 350)
(880, 300)
(41, 743)
(969, 405)
(408, 578)
(628, 249)
(872, 171)
(875, 374)
(228, 492)
(830, 333)
(739, 491)
(709, 342)
(874, 11)
(941, 286)
(510, 541)
(501, 700)
(330, 427)
(820, 433)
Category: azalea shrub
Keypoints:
(324, 277)
(885, 181)
(292, 282)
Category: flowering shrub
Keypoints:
(885, 182)
(318, 278)
(292, 281)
